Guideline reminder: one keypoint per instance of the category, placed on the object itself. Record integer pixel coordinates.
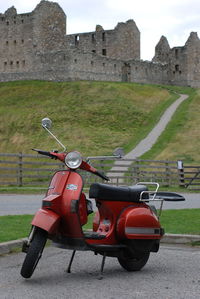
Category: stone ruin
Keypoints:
(35, 46)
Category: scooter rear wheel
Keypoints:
(34, 253)
(134, 262)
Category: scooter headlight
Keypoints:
(73, 160)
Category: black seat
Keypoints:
(115, 193)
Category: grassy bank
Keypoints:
(93, 117)
(174, 221)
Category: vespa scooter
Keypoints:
(125, 226)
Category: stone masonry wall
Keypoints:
(35, 46)
(16, 36)
(24, 36)
(109, 43)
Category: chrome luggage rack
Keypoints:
(152, 195)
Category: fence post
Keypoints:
(136, 171)
(20, 170)
(181, 173)
(167, 174)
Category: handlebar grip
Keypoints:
(102, 175)
(45, 153)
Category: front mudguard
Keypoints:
(47, 220)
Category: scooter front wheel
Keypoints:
(34, 252)
(134, 262)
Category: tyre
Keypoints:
(34, 253)
(133, 262)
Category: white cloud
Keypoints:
(173, 18)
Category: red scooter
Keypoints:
(125, 226)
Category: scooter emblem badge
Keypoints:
(71, 187)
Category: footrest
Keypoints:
(93, 235)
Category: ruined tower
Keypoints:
(162, 51)
(183, 62)
(192, 53)
(25, 36)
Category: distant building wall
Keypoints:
(16, 50)
(121, 43)
(35, 46)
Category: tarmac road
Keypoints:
(17, 204)
(12, 204)
(172, 273)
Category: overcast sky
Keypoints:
(174, 19)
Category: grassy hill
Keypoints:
(92, 117)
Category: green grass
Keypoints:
(92, 117)
(14, 227)
(174, 221)
(185, 221)
(96, 117)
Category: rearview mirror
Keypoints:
(119, 151)
(46, 123)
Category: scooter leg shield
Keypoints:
(47, 220)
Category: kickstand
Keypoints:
(102, 266)
(70, 263)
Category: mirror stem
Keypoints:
(64, 147)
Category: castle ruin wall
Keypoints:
(35, 46)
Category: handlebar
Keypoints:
(45, 153)
(115, 157)
(84, 165)
(102, 175)
(53, 155)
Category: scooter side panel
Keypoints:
(139, 223)
(47, 220)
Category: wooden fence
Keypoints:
(36, 170)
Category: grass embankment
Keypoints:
(14, 227)
(174, 221)
(92, 117)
